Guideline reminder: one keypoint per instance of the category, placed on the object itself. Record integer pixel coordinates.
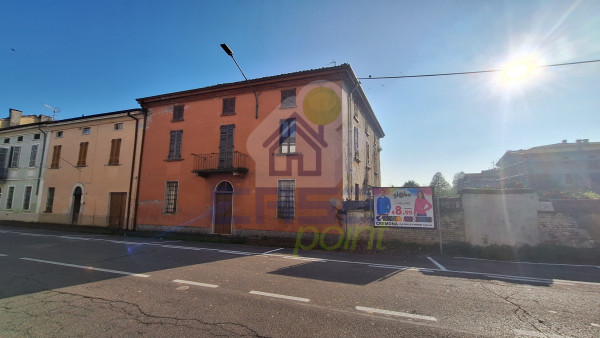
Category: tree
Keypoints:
(441, 186)
(410, 183)
(457, 180)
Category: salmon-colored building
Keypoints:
(260, 157)
(91, 169)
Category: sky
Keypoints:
(93, 57)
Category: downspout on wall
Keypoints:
(133, 161)
(37, 189)
(137, 193)
(350, 140)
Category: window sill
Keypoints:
(228, 114)
(356, 159)
(81, 166)
(356, 118)
(113, 164)
(288, 106)
(288, 154)
(177, 120)
(173, 159)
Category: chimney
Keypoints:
(578, 141)
(564, 141)
(15, 117)
(586, 140)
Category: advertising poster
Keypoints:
(403, 207)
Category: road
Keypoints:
(67, 284)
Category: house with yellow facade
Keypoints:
(91, 170)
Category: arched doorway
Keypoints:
(223, 208)
(77, 193)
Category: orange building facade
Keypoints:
(258, 158)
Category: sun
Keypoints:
(519, 69)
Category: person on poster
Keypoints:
(422, 205)
(383, 203)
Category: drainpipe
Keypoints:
(37, 189)
(135, 138)
(350, 138)
(137, 192)
(350, 154)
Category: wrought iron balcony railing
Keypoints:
(215, 163)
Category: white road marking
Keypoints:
(530, 279)
(195, 283)
(595, 325)
(555, 281)
(440, 266)
(531, 263)
(3, 255)
(268, 252)
(535, 334)
(274, 295)
(395, 313)
(86, 267)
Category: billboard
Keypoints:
(403, 207)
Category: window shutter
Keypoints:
(55, 157)
(115, 151)
(33, 155)
(83, 146)
(14, 157)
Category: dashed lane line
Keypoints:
(268, 252)
(180, 281)
(395, 313)
(3, 255)
(440, 266)
(275, 295)
(86, 267)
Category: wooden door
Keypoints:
(223, 208)
(226, 146)
(117, 208)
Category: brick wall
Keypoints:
(559, 228)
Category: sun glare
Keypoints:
(519, 70)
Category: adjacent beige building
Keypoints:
(92, 169)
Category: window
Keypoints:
(3, 158)
(368, 155)
(171, 197)
(356, 153)
(9, 197)
(36, 136)
(229, 106)
(50, 199)
(86, 131)
(288, 98)
(59, 134)
(55, 157)
(115, 150)
(366, 129)
(356, 192)
(119, 126)
(27, 198)
(19, 138)
(175, 145)
(7, 140)
(15, 154)
(83, 148)
(286, 199)
(178, 113)
(356, 112)
(33, 155)
(287, 138)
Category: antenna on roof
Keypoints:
(54, 110)
(332, 63)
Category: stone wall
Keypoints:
(562, 229)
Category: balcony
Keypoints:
(215, 163)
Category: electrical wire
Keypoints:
(467, 73)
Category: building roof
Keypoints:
(345, 69)
(562, 147)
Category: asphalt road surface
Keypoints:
(66, 284)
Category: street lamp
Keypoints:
(230, 53)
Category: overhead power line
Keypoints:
(467, 73)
